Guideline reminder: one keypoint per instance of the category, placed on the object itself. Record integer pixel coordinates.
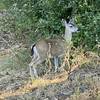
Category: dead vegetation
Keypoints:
(77, 59)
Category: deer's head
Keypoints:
(70, 25)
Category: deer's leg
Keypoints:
(56, 63)
(33, 72)
(32, 66)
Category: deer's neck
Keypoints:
(68, 35)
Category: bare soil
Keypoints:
(83, 83)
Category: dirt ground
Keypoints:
(82, 84)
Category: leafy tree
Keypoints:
(42, 18)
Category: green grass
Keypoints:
(17, 61)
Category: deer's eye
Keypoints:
(71, 26)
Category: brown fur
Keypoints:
(56, 47)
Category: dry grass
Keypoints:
(79, 58)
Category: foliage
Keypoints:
(42, 18)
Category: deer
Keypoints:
(52, 48)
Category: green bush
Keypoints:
(42, 18)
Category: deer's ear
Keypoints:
(71, 21)
(64, 22)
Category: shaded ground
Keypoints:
(83, 83)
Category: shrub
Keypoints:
(42, 18)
